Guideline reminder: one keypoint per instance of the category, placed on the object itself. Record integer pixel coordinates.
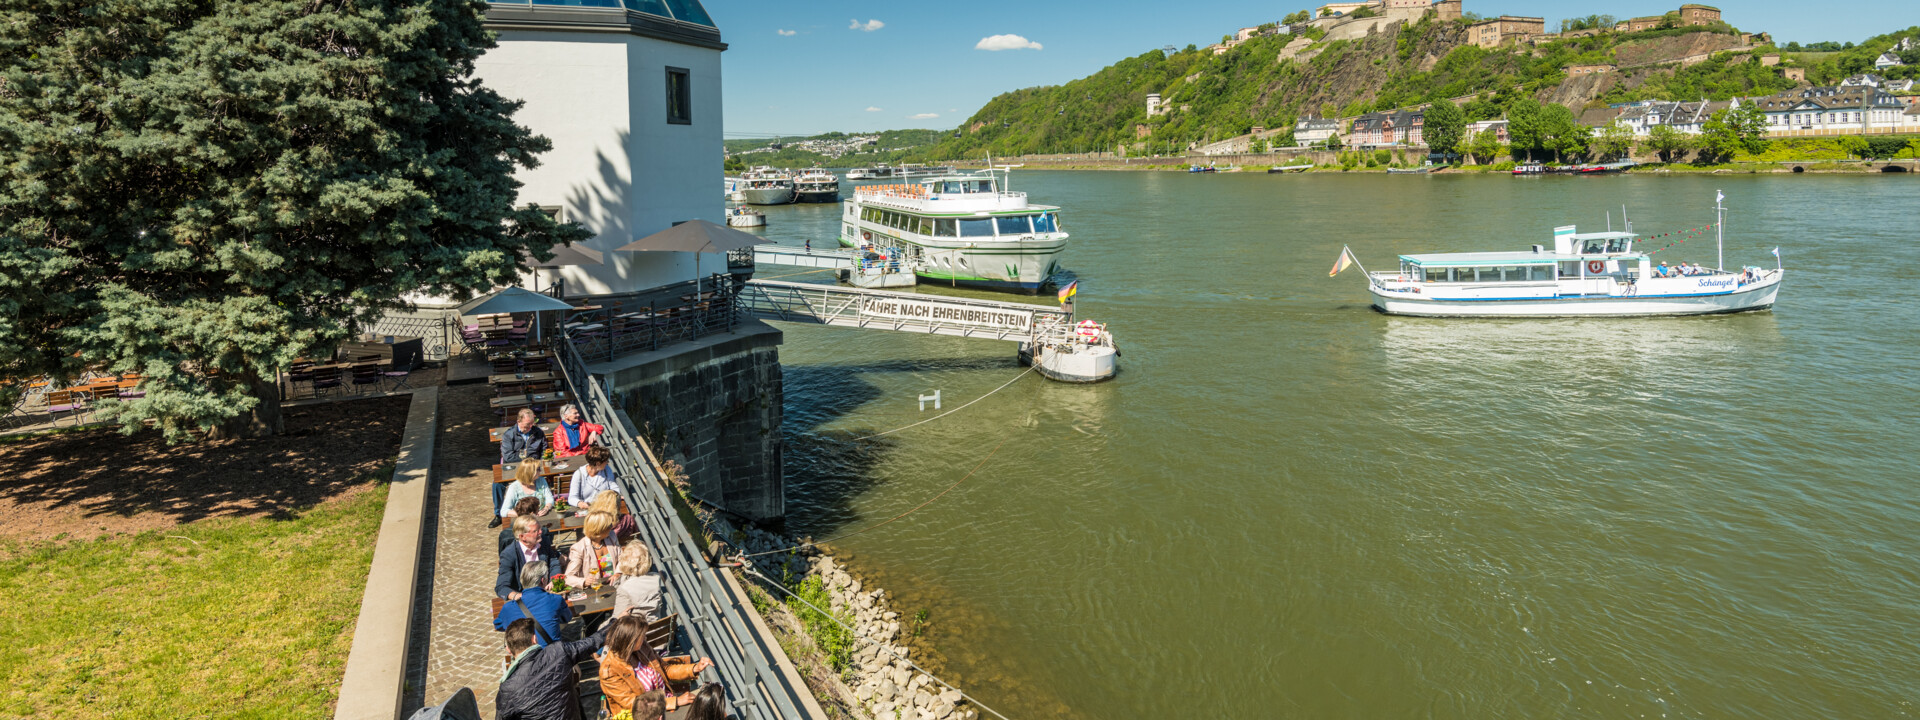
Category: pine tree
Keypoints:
(202, 191)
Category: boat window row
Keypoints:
(1596, 247)
(963, 186)
(965, 227)
(1496, 273)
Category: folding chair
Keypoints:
(396, 376)
(325, 379)
(67, 401)
(367, 374)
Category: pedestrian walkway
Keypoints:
(454, 645)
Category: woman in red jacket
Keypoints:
(572, 436)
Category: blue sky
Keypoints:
(805, 68)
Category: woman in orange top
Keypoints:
(630, 668)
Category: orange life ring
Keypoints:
(864, 235)
(1596, 267)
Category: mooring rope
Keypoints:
(1015, 379)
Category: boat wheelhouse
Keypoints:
(960, 229)
(766, 186)
(1591, 274)
(816, 186)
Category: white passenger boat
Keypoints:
(959, 229)
(860, 174)
(1591, 274)
(766, 186)
(816, 186)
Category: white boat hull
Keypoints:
(767, 196)
(1754, 296)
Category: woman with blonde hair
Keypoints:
(638, 592)
(630, 668)
(527, 482)
(594, 559)
(608, 502)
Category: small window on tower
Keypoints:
(679, 97)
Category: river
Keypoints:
(1288, 505)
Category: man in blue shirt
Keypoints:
(549, 610)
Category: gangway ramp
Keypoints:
(897, 311)
(834, 258)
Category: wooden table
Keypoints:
(548, 468)
(520, 377)
(519, 401)
(556, 521)
(587, 601)
(546, 428)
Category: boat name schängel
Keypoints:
(933, 312)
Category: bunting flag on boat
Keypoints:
(1072, 288)
(1346, 259)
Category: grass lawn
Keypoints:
(226, 617)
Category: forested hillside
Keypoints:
(1212, 97)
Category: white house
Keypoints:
(1685, 118)
(630, 98)
(1832, 108)
(1891, 57)
(1310, 130)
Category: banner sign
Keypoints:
(947, 313)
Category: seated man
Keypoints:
(539, 681)
(523, 440)
(1661, 270)
(525, 550)
(574, 433)
(549, 610)
(526, 506)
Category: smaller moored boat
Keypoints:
(745, 217)
(1408, 171)
(1291, 168)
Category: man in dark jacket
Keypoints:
(524, 550)
(539, 683)
(523, 439)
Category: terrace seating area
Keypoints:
(44, 401)
(641, 322)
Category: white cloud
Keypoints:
(1006, 42)
(788, 33)
(923, 116)
(953, 109)
(871, 108)
(868, 26)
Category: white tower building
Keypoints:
(629, 94)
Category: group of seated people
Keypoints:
(539, 682)
(1679, 269)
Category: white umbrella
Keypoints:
(513, 300)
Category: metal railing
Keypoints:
(715, 618)
(648, 320)
(438, 330)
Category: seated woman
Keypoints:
(630, 668)
(608, 502)
(638, 592)
(709, 703)
(594, 559)
(574, 433)
(527, 482)
(593, 478)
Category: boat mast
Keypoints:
(1719, 229)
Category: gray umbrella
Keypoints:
(695, 236)
(511, 300)
(568, 255)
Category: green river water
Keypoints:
(1288, 505)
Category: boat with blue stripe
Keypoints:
(1582, 275)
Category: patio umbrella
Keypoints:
(563, 255)
(513, 300)
(695, 236)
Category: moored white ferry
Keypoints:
(959, 229)
(766, 186)
(1592, 274)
